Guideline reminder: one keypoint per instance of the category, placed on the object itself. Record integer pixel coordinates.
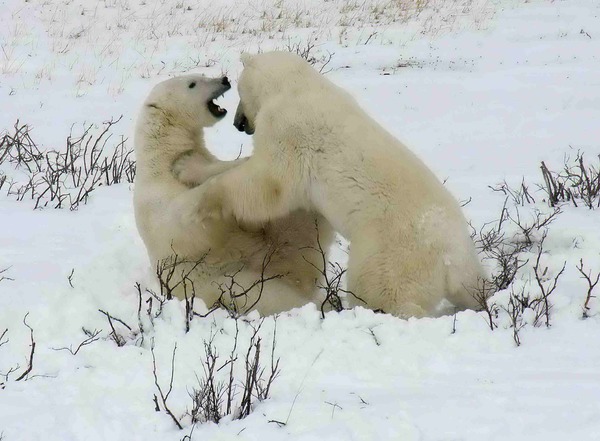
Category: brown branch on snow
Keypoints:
(576, 181)
(70, 277)
(546, 290)
(591, 285)
(235, 298)
(164, 397)
(515, 312)
(2, 271)
(66, 177)
(207, 399)
(264, 390)
(31, 354)
(2, 341)
(138, 288)
(214, 398)
(252, 375)
(482, 294)
(118, 339)
(189, 302)
(232, 360)
(91, 338)
(331, 284)
(254, 383)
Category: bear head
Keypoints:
(268, 75)
(189, 99)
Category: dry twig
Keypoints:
(164, 396)
(592, 282)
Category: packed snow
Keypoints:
(482, 91)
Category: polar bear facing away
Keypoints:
(170, 129)
(314, 148)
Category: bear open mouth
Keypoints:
(216, 110)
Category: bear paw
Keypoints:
(188, 170)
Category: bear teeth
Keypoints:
(215, 109)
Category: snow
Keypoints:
(481, 91)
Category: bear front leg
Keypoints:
(193, 169)
(250, 193)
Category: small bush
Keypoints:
(61, 179)
(577, 182)
(504, 242)
(220, 391)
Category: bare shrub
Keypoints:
(520, 195)
(60, 179)
(164, 396)
(504, 242)
(220, 392)
(209, 396)
(114, 335)
(174, 272)
(592, 282)
(215, 397)
(308, 51)
(332, 274)
(238, 299)
(19, 149)
(577, 181)
(255, 386)
(541, 305)
(29, 368)
(529, 229)
(496, 244)
(526, 307)
(482, 294)
(515, 313)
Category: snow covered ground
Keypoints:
(482, 91)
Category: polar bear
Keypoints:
(316, 149)
(170, 129)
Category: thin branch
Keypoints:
(2, 341)
(164, 397)
(546, 291)
(31, 354)
(591, 285)
(88, 341)
(118, 339)
(2, 278)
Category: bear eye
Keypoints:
(192, 85)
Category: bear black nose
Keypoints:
(225, 81)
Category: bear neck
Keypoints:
(168, 142)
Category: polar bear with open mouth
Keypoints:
(170, 131)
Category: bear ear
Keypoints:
(246, 58)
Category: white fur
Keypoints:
(316, 149)
(169, 134)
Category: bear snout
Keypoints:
(240, 121)
(225, 82)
